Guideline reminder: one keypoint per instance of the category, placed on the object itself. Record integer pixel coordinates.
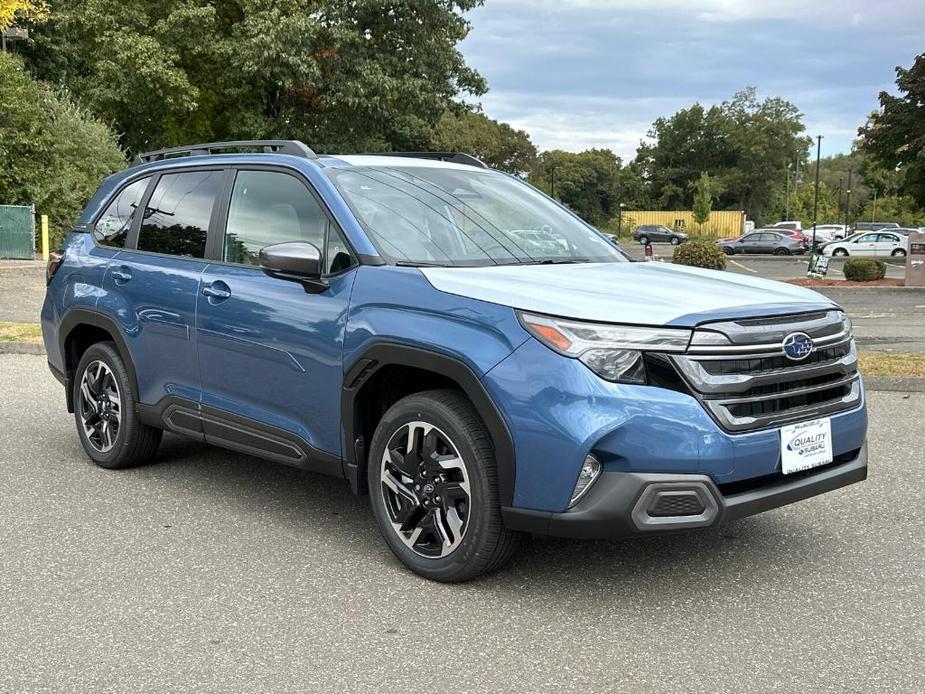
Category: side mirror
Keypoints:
(297, 261)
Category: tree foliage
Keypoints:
(587, 181)
(497, 144)
(894, 136)
(54, 153)
(744, 144)
(21, 9)
(357, 76)
(901, 209)
(703, 199)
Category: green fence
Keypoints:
(17, 231)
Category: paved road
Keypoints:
(214, 572)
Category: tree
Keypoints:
(497, 144)
(342, 76)
(901, 209)
(744, 144)
(703, 199)
(586, 182)
(54, 152)
(894, 136)
(23, 9)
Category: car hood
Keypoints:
(648, 293)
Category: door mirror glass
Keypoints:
(299, 261)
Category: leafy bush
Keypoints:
(864, 269)
(705, 254)
(54, 153)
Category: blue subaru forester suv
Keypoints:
(450, 341)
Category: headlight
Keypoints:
(613, 352)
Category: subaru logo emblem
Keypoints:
(798, 346)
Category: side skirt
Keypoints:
(237, 433)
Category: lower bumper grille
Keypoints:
(741, 374)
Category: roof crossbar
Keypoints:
(293, 147)
(452, 157)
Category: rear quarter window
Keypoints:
(112, 228)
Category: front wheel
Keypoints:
(840, 252)
(644, 240)
(675, 240)
(898, 253)
(434, 490)
(104, 410)
(728, 251)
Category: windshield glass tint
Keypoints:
(449, 216)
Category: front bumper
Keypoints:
(621, 503)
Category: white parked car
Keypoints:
(793, 224)
(825, 232)
(874, 243)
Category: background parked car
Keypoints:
(764, 241)
(793, 224)
(874, 226)
(649, 233)
(826, 232)
(872, 244)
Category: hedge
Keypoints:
(864, 269)
(705, 254)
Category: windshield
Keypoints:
(425, 215)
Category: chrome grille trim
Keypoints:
(748, 383)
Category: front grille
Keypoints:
(740, 373)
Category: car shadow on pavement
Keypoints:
(300, 503)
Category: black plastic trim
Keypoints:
(294, 148)
(84, 316)
(221, 428)
(612, 508)
(381, 354)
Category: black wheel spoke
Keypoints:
(405, 463)
(99, 405)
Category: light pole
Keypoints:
(787, 194)
(620, 219)
(816, 196)
(553, 183)
(848, 204)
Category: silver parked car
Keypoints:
(763, 241)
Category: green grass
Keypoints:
(20, 332)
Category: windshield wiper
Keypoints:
(417, 263)
(559, 261)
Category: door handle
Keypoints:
(122, 275)
(215, 291)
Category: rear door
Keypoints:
(887, 243)
(270, 352)
(865, 245)
(152, 284)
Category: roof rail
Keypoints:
(293, 147)
(452, 157)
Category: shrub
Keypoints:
(53, 152)
(864, 269)
(706, 254)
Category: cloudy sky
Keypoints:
(582, 73)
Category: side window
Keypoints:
(266, 208)
(887, 238)
(176, 219)
(867, 238)
(113, 225)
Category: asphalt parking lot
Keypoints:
(209, 571)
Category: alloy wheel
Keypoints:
(425, 487)
(100, 406)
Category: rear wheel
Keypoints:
(644, 240)
(781, 251)
(434, 491)
(898, 252)
(675, 240)
(104, 410)
(840, 252)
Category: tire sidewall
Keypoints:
(482, 496)
(106, 353)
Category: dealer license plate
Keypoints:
(806, 445)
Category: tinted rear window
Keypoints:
(176, 219)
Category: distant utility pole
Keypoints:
(816, 196)
(787, 194)
(848, 204)
(552, 184)
(796, 178)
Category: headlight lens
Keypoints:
(613, 352)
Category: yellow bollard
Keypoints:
(43, 220)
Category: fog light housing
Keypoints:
(590, 471)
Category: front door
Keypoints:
(153, 282)
(866, 245)
(269, 351)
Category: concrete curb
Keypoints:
(895, 384)
(22, 348)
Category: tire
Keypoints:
(728, 250)
(644, 240)
(462, 534)
(840, 252)
(898, 253)
(675, 240)
(105, 412)
(781, 251)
